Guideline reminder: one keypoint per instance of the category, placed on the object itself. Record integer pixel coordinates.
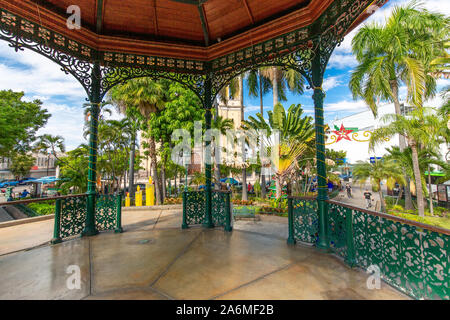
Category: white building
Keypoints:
(356, 143)
(45, 165)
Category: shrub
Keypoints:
(243, 202)
(173, 201)
(42, 209)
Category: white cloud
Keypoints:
(331, 82)
(345, 105)
(252, 108)
(43, 79)
(342, 61)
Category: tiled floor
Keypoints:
(155, 259)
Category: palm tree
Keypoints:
(417, 128)
(426, 159)
(48, 144)
(258, 85)
(131, 112)
(376, 172)
(281, 80)
(198, 179)
(147, 96)
(396, 54)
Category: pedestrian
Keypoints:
(368, 196)
(349, 190)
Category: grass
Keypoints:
(440, 218)
(42, 208)
(443, 222)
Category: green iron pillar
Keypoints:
(208, 168)
(322, 197)
(95, 100)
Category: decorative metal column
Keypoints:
(318, 97)
(95, 100)
(208, 168)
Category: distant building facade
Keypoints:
(355, 130)
(45, 165)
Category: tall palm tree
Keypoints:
(281, 80)
(132, 113)
(148, 96)
(426, 157)
(49, 144)
(394, 54)
(258, 85)
(244, 169)
(376, 172)
(416, 128)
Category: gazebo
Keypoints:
(203, 44)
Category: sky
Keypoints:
(64, 97)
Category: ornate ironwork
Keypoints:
(72, 56)
(219, 210)
(106, 212)
(337, 229)
(293, 50)
(414, 260)
(195, 207)
(73, 216)
(112, 76)
(306, 220)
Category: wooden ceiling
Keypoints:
(198, 29)
(192, 22)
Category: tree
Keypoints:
(417, 128)
(282, 80)
(19, 122)
(258, 85)
(296, 132)
(74, 170)
(376, 172)
(427, 157)
(124, 106)
(394, 54)
(149, 97)
(181, 109)
(21, 164)
(49, 145)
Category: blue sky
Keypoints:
(64, 97)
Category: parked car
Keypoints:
(9, 184)
(26, 181)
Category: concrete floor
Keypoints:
(155, 259)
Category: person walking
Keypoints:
(368, 197)
(349, 191)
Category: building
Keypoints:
(45, 165)
(352, 134)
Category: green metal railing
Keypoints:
(194, 209)
(411, 256)
(71, 212)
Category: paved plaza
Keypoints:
(155, 259)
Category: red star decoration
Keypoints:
(343, 133)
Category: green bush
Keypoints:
(42, 208)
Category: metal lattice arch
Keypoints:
(187, 41)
